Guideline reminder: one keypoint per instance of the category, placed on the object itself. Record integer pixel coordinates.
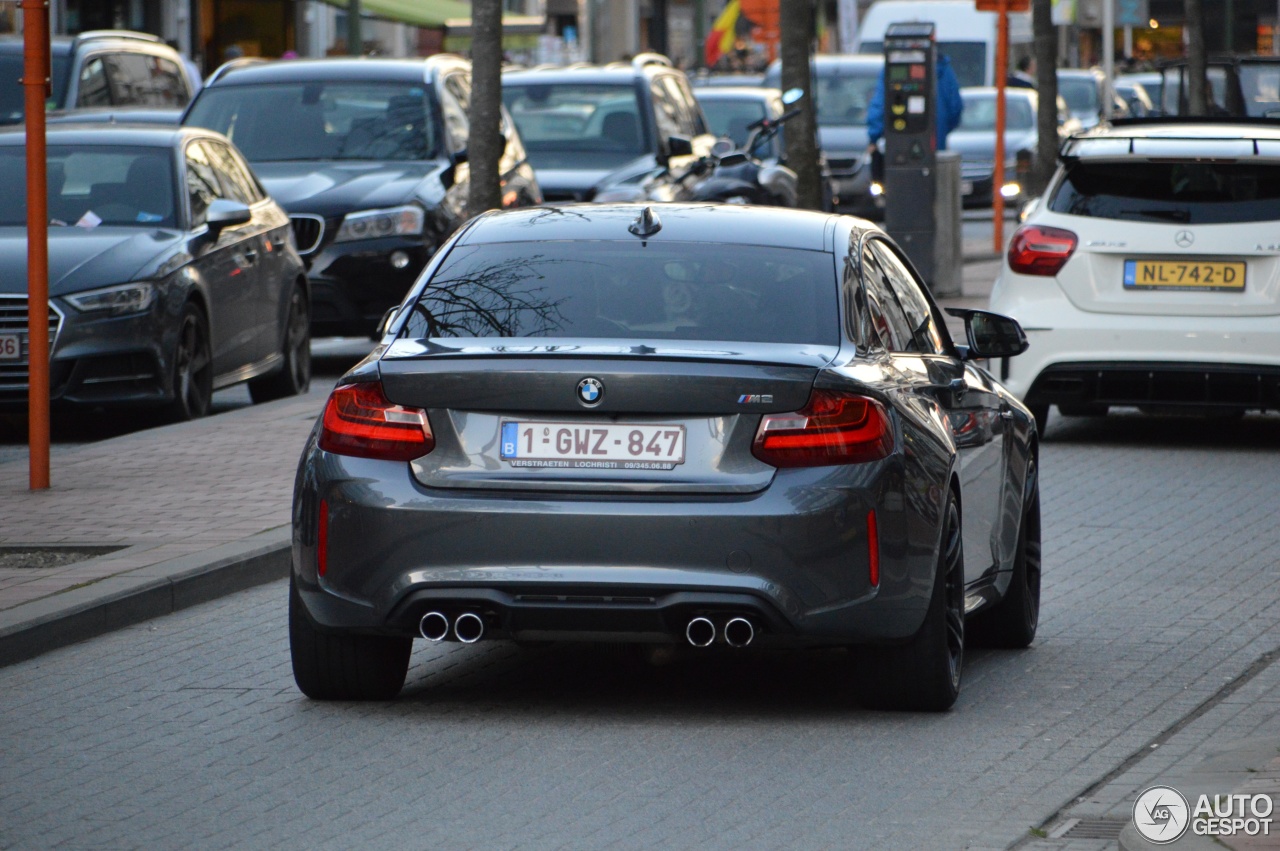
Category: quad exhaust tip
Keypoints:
(434, 626)
(700, 632)
(468, 628)
(739, 632)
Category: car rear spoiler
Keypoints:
(1198, 147)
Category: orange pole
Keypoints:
(1002, 73)
(35, 82)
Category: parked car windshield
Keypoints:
(12, 96)
(276, 122)
(1080, 93)
(1181, 192)
(681, 291)
(980, 113)
(842, 99)
(968, 59)
(95, 185)
(576, 126)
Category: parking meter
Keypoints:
(910, 140)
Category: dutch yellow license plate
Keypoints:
(1183, 275)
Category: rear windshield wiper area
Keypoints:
(1170, 215)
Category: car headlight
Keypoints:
(372, 224)
(116, 301)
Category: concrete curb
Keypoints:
(141, 594)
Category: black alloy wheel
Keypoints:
(1012, 622)
(192, 367)
(924, 674)
(295, 377)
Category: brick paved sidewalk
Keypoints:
(158, 495)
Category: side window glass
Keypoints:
(203, 186)
(93, 85)
(886, 323)
(681, 93)
(236, 182)
(454, 99)
(924, 330)
(666, 112)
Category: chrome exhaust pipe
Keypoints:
(469, 628)
(739, 632)
(700, 632)
(434, 626)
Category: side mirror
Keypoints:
(679, 146)
(990, 334)
(225, 213)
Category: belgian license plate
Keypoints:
(1183, 275)
(606, 446)
(10, 347)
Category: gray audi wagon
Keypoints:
(699, 424)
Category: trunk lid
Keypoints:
(713, 396)
(1112, 268)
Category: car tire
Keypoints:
(924, 674)
(192, 367)
(341, 666)
(295, 377)
(1012, 622)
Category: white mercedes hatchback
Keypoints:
(1148, 274)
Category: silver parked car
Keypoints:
(683, 423)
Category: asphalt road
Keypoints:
(187, 731)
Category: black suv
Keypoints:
(101, 68)
(368, 156)
(588, 126)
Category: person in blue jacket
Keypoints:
(949, 106)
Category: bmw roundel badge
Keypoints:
(590, 392)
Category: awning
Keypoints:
(418, 13)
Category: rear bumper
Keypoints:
(1077, 357)
(793, 558)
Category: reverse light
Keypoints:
(372, 224)
(833, 428)
(358, 420)
(1040, 250)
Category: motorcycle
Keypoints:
(739, 176)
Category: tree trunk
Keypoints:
(485, 143)
(1196, 82)
(1046, 55)
(802, 131)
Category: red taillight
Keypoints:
(834, 428)
(1038, 250)
(322, 539)
(358, 420)
(873, 548)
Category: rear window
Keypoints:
(1186, 192)
(630, 291)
